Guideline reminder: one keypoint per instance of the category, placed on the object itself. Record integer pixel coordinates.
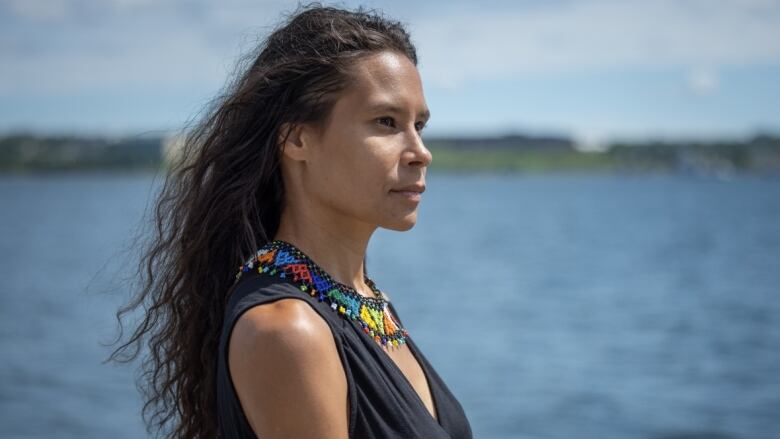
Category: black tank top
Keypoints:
(382, 401)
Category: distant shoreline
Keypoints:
(760, 154)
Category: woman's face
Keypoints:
(368, 165)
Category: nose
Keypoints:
(417, 154)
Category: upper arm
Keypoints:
(287, 372)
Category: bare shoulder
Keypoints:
(289, 320)
(287, 372)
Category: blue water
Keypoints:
(554, 306)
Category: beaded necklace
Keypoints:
(282, 259)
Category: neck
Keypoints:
(336, 245)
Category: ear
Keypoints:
(292, 141)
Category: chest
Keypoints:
(411, 369)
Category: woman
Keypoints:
(262, 320)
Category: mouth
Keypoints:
(412, 196)
(412, 193)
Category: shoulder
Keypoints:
(287, 371)
(291, 320)
(268, 286)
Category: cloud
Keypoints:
(62, 53)
(596, 35)
(53, 10)
(114, 43)
(703, 82)
(86, 46)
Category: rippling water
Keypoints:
(554, 306)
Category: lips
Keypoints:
(411, 193)
(417, 188)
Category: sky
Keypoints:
(593, 71)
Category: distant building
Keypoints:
(172, 147)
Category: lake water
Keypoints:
(554, 306)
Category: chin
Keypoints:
(401, 224)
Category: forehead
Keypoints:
(385, 77)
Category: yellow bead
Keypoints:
(342, 310)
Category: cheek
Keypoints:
(368, 170)
(356, 183)
(367, 185)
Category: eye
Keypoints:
(420, 126)
(381, 120)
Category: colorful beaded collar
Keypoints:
(284, 260)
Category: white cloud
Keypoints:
(593, 35)
(52, 10)
(703, 82)
(67, 49)
(158, 42)
(88, 46)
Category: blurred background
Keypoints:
(597, 254)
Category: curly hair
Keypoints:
(222, 199)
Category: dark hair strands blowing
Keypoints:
(222, 199)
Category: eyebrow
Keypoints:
(425, 114)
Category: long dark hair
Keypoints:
(222, 199)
